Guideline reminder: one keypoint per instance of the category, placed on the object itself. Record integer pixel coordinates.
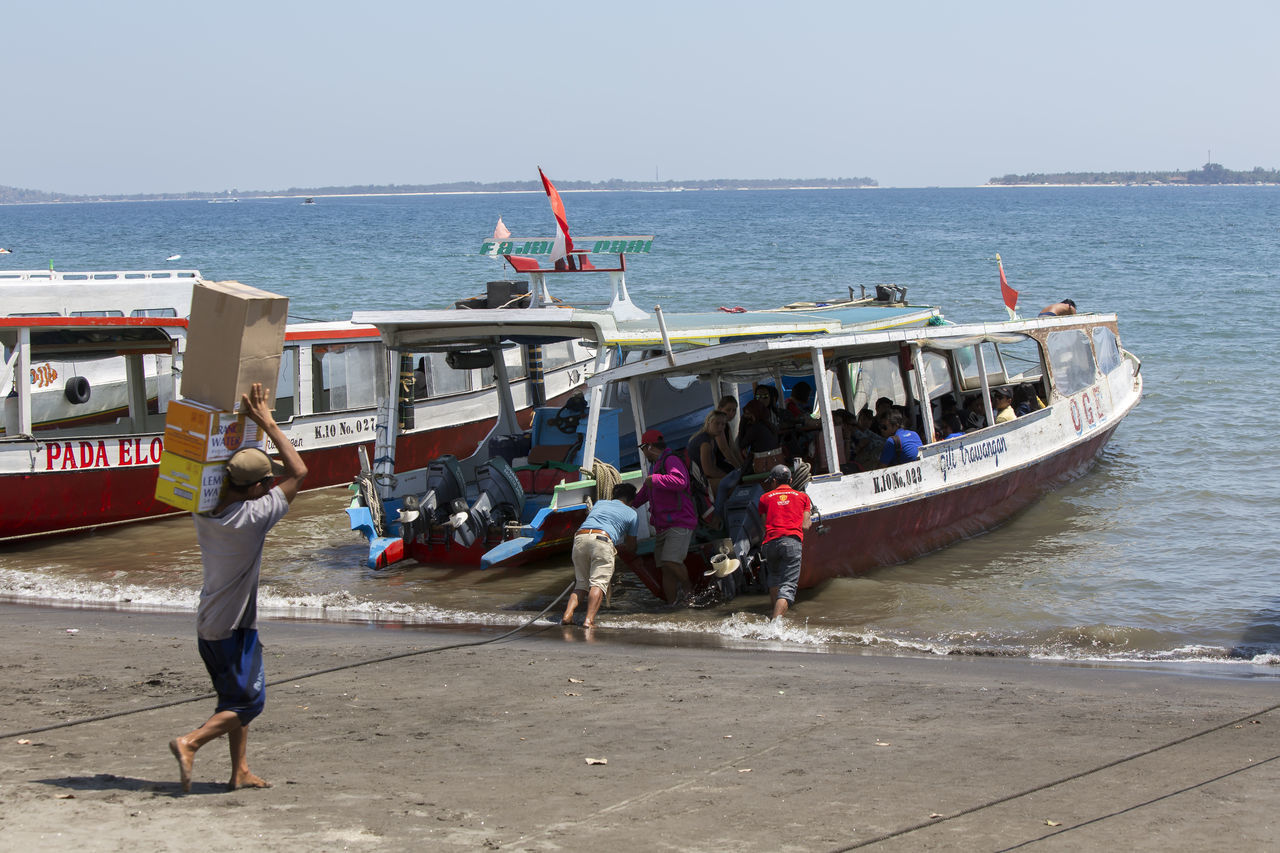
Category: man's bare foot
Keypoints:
(588, 624)
(186, 757)
(247, 780)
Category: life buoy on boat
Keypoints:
(77, 390)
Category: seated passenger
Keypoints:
(768, 396)
(974, 415)
(800, 404)
(900, 445)
(1002, 403)
(866, 442)
(710, 452)
(949, 427)
(1026, 400)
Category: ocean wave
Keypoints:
(1082, 644)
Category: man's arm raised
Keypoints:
(255, 406)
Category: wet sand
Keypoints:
(486, 747)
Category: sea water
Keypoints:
(1166, 550)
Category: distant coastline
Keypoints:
(1210, 174)
(16, 195)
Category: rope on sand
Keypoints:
(206, 696)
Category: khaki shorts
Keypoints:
(593, 556)
(672, 545)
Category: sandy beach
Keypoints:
(487, 747)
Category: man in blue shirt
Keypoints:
(595, 546)
(900, 445)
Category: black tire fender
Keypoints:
(77, 390)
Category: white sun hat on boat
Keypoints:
(722, 565)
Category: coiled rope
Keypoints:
(606, 477)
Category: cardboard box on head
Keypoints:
(204, 434)
(234, 338)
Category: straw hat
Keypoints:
(722, 565)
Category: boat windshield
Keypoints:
(1071, 360)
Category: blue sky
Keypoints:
(167, 97)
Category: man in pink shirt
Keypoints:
(671, 512)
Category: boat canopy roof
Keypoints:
(745, 360)
(68, 337)
(465, 329)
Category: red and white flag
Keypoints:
(1010, 295)
(564, 243)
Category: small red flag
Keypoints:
(1010, 295)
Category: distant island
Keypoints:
(1209, 173)
(15, 195)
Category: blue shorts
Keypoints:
(782, 565)
(235, 665)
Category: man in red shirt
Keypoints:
(786, 518)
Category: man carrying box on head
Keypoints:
(231, 539)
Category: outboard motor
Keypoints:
(501, 500)
(746, 529)
(445, 487)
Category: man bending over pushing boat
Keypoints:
(786, 518)
(231, 539)
(595, 547)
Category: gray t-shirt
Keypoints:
(231, 549)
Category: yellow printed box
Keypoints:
(205, 434)
(187, 484)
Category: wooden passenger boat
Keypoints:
(957, 487)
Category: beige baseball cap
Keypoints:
(251, 466)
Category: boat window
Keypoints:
(443, 379)
(1107, 348)
(97, 314)
(559, 354)
(1071, 359)
(36, 314)
(1022, 361)
(154, 312)
(937, 374)
(286, 407)
(347, 376)
(873, 378)
(513, 356)
(967, 362)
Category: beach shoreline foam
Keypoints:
(707, 748)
